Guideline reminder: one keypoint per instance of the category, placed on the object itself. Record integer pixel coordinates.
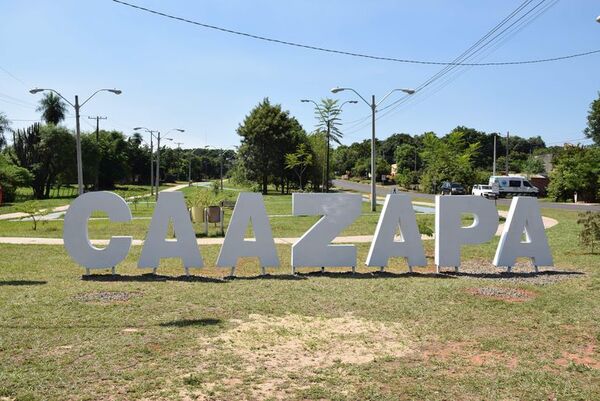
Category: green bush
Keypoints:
(11, 177)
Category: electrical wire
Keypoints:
(500, 38)
(348, 53)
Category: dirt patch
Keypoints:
(469, 352)
(587, 356)
(106, 296)
(277, 351)
(502, 293)
(296, 342)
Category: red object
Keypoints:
(1, 193)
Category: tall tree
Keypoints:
(593, 121)
(329, 122)
(53, 108)
(268, 133)
(299, 161)
(47, 152)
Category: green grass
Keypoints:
(254, 338)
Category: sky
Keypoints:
(178, 75)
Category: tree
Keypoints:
(47, 152)
(328, 116)
(32, 210)
(447, 159)
(53, 108)
(4, 126)
(268, 133)
(299, 161)
(533, 165)
(576, 171)
(593, 121)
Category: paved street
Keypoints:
(366, 188)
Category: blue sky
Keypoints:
(176, 75)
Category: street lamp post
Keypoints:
(373, 105)
(151, 132)
(77, 107)
(328, 122)
(158, 138)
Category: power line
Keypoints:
(348, 53)
(499, 39)
(14, 77)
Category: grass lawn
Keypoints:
(335, 336)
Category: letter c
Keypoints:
(75, 234)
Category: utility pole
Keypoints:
(97, 118)
(506, 162)
(494, 164)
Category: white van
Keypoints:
(517, 185)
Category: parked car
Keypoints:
(487, 191)
(452, 188)
(509, 185)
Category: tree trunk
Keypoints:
(264, 184)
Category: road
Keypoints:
(381, 191)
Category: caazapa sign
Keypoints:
(314, 248)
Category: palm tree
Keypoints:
(327, 115)
(328, 120)
(53, 108)
(4, 124)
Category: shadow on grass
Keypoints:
(501, 275)
(373, 275)
(21, 282)
(191, 322)
(149, 277)
(267, 277)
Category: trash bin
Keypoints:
(213, 214)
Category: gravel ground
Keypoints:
(522, 272)
(105, 296)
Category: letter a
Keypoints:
(249, 207)
(170, 207)
(523, 217)
(397, 212)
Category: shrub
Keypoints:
(589, 236)
(11, 177)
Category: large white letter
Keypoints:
(248, 208)
(76, 236)
(170, 207)
(523, 217)
(449, 232)
(397, 213)
(313, 249)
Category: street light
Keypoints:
(328, 121)
(373, 107)
(77, 107)
(598, 19)
(151, 156)
(158, 138)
